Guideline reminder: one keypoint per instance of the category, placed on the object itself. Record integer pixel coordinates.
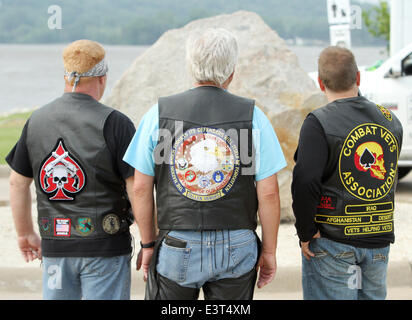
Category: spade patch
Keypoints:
(61, 175)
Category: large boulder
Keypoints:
(267, 71)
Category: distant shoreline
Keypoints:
(32, 74)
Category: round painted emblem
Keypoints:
(218, 176)
(111, 223)
(190, 176)
(204, 164)
(368, 162)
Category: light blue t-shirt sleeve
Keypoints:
(269, 154)
(139, 154)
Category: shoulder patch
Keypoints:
(386, 113)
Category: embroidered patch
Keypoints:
(327, 202)
(61, 175)
(386, 113)
(111, 223)
(62, 227)
(204, 164)
(45, 227)
(84, 226)
(368, 162)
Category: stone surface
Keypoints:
(267, 71)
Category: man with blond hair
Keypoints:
(211, 176)
(344, 187)
(72, 148)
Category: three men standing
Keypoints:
(213, 158)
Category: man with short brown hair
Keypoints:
(343, 187)
(72, 148)
(337, 68)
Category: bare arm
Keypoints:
(269, 215)
(20, 201)
(269, 211)
(140, 192)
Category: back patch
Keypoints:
(61, 175)
(204, 164)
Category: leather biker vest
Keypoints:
(360, 177)
(205, 161)
(79, 196)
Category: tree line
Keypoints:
(141, 22)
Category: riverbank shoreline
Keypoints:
(33, 74)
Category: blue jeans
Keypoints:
(343, 272)
(208, 256)
(87, 278)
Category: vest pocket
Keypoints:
(173, 262)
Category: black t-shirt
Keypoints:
(311, 158)
(118, 131)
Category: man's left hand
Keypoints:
(267, 268)
(143, 261)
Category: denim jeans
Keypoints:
(343, 272)
(87, 278)
(208, 256)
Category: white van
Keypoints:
(390, 85)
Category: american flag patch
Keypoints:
(62, 227)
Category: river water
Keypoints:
(32, 75)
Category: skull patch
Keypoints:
(369, 156)
(61, 175)
(368, 162)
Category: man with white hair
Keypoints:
(198, 149)
(73, 148)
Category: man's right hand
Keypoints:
(143, 261)
(30, 246)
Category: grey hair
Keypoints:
(212, 56)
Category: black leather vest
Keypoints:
(204, 161)
(79, 196)
(364, 141)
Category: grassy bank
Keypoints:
(10, 131)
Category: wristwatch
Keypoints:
(147, 245)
